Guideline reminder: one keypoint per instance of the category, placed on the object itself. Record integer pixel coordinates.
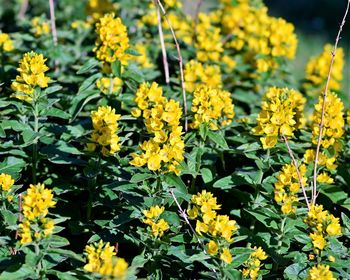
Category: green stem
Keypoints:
(281, 235)
(35, 145)
(92, 187)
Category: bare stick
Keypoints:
(23, 9)
(314, 190)
(184, 216)
(196, 17)
(53, 22)
(162, 44)
(180, 62)
(297, 169)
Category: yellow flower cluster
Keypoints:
(157, 226)
(181, 26)
(6, 44)
(31, 70)
(333, 125)
(317, 72)
(143, 59)
(112, 40)
(196, 73)
(253, 264)
(281, 114)
(323, 160)
(165, 149)
(211, 106)
(320, 272)
(218, 228)
(322, 225)
(105, 124)
(102, 259)
(287, 187)
(40, 26)
(96, 9)
(252, 28)
(36, 203)
(6, 182)
(208, 40)
(109, 85)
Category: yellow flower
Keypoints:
(211, 106)
(98, 8)
(112, 40)
(109, 85)
(212, 247)
(318, 241)
(6, 43)
(153, 212)
(102, 259)
(320, 272)
(253, 264)
(281, 114)
(158, 226)
(40, 26)
(105, 124)
(143, 58)
(226, 255)
(317, 71)
(31, 70)
(6, 182)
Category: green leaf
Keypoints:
(12, 166)
(66, 253)
(207, 176)
(55, 112)
(88, 65)
(175, 181)
(296, 271)
(88, 82)
(132, 52)
(140, 177)
(15, 272)
(218, 139)
(116, 68)
(9, 217)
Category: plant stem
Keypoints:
(280, 237)
(35, 145)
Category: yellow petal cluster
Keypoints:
(6, 44)
(322, 225)
(40, 26)
(208, 41)
(6, 182)
(218, 228)
(36, 203)
(109, 85)
(157, 226)
(196, 74)
(317, 72)
(333, 125)
(251, 29)
(105, 124)
(96, 9)
(165, 149)
(253, 264)
(112, 40)
(211, 106)
(320, 272)
(181, 26)
(102, 259)
(281, 114)
(31, 70)
(143, 59)
(288, 186)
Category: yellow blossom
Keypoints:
(109, 85)
(226, 255)
(40, 26)
(320, 272)
(6, 44)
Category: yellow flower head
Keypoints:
(196, 74)
(31, 70)
(281, 114)
(287, 187)
(253, 264)
(101, 258)
(226, 255)
(40, 26)
(112, 40)
(157, 226)
(320, 272)
(98, 8)
(109, 85)
(6, 43)
(211, 106)
(105, 124)
(317, 71)
(6, 182)
(143, 58)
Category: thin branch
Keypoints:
(23, 9)
(180, 63)
(196, 17)
(314, 190)
(300, 179)
(53, 22)
(184, 216)
(162, 44)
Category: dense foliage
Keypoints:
(142, 142)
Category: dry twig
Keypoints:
(53, 22)
(180, 62)
(300, 179)
(162, 44)
(314, 187)
(23, 9)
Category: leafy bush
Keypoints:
(140, 142)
